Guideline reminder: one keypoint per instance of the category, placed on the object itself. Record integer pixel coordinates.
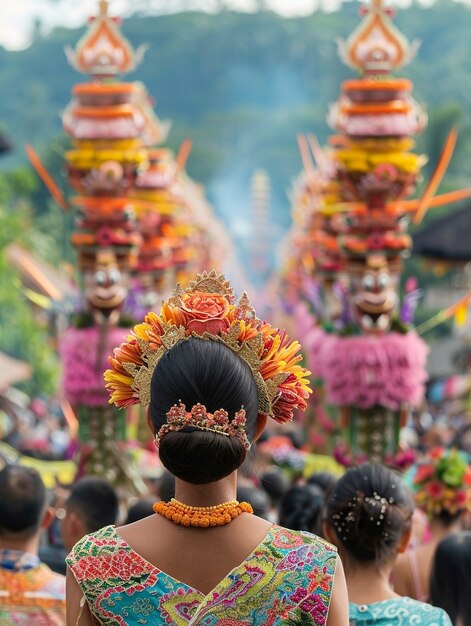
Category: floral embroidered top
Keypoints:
(31, 594)
(286, 580)
(397, 612)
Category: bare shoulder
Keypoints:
(154, 536)
(146, 526)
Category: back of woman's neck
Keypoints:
(210, 494)
(368, 584)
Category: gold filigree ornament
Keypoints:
(207, 309)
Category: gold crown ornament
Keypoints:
(207, 309)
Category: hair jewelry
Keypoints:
(218, 422)
(343, 520)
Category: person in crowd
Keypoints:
(275, 483)
(202, 367)
(323, 480)
(91, 505)
(139, 509)
(52, 550)
(301, 508)
(30, 592)
(368, 516)
(257, 498)
(441, 482)
(451, 577)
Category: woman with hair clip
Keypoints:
(368, 517)
(210, 374)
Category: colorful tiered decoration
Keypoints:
(352, 213)
(382, 371)
(110, 123)
(159, 212)
(141, 224)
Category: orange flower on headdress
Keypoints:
(207, 309)
(205, 312)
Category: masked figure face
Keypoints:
(373, 297)
(105, 286)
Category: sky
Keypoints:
(17, 17)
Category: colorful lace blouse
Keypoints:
(397, 612)
(286, 580)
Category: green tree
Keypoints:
(23, 334)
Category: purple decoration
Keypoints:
(340, 292)
(312, 292)
(409, 306)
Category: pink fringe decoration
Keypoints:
(82, 378)
(367, 371)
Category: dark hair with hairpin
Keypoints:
(370, 509)
(207, 372)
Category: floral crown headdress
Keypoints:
(207, 309)
(442, 482)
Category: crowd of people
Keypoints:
(225, 536)
(401, 565)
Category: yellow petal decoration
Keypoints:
(207, 309)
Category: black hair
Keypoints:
(139, 510)
(23, 500)
(256, 497)
(96, 501)
(447, 518)
(166, 486)
(275, 483)
(323, 480)
(370, 509)
(207, 372)
(451, 577)
(301, 508)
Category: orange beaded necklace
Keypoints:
(201, 516)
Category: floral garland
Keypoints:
(207, 309)
(400, 461)
(442, 482)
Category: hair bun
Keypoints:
(370, 509)
(201, 457)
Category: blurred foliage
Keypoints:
(23, 331)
